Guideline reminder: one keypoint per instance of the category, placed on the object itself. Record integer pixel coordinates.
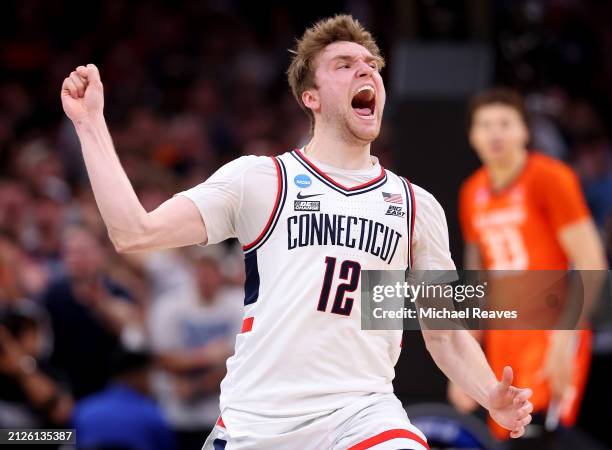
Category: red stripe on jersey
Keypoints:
(335, 183)
(278, 196)
(220, 422)
(247, 324)
(387, 436)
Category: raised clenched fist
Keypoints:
(82, 94)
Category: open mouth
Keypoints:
(364, 101)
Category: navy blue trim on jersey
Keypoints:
(251, 282)
(411, 208)
(347, 192)
(219, 444)
(275, 214)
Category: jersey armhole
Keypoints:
(281, 193)
(411, 204)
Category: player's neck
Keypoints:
(332, 150)
(501, 175)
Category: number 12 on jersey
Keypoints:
(350, 271)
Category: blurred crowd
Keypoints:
(187, 89)
(89, 337)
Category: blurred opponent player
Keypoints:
(304, 375)
(526, 211)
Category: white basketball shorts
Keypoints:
(376, 421)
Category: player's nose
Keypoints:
(364, 69)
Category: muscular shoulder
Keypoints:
(476, 180)
(249, 165)
(259, 186)
(430, 240)
(258, 174)
(422, 198)
(427, 207)
(263, 164)
(545, 166)
(233, 196)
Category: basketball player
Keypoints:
(304, 375)
(525, 211)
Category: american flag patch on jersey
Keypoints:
(392, 198)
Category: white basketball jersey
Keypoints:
(302, 350)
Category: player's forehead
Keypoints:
(344, 49)
(492, 111)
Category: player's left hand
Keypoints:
(559, 367)
(509, 406)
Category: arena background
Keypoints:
(191, 85)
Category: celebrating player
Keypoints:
(304, 375)
(525, 211)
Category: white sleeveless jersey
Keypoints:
(302, 350)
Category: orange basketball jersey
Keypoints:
(517, 228)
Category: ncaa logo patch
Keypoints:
(302, 180)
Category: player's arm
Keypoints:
(177, 222)
(582, 245)
(460, 357)
(580, 240)
(457, 352)
(472, 259)
(560, 196)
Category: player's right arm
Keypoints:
(456, 352)
(175, 223)
(472, 259)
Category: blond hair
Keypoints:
(301, 72)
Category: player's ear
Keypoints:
(310, 98)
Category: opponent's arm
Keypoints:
(472, 259)
(457, 352)
(460, 357)
(582, 245)
(175, 223)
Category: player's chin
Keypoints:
(498, 155)
(366, 129)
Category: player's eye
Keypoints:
(344, 66)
